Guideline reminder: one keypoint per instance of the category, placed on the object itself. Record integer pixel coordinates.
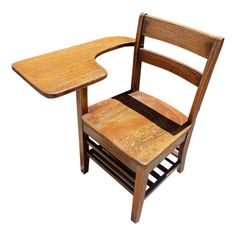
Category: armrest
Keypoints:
(60, 72)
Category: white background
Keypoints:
(43, 192)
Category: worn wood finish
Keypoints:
(82, 108)
(182, 36)
(139, 193)
(135, 135)
(188, 73)
(58, 73)
(136, 62)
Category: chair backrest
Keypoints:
(200, 43)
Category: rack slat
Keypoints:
(162, 178)
(162, 168)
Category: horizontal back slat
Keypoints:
(195, 41)
(178, 68)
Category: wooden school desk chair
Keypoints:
(130, 135)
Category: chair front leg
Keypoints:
(82, 108)
(139, 193)
(84, 159)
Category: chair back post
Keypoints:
(208, 70)
(136, 62)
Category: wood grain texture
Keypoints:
(58, 73)
(109, 145)
(182, 36)
(167, 63)
(136, 136)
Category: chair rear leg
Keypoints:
(139, 193)
(183, 151)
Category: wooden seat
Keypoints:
(134, 129)
(131, 135)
